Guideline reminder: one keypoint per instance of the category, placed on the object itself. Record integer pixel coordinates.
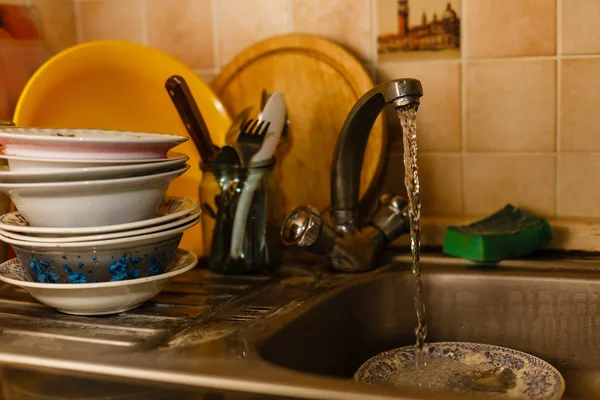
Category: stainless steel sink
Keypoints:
(550, 309)
(302, 333)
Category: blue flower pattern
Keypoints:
(539, 382)
(125, 268)
(77, 277)
(42, 271)
(504, 360)
(155, 268)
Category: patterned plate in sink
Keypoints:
(534, 378)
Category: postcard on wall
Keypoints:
(418, 29)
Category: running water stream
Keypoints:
(439, 373)
(408, 120)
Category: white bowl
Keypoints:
(100, 260)
(91, 203)
(41, 164)
(104, 236)
(86, 144)
(96, 298)
(172, 208)
(173, 162)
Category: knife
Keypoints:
(192, 119)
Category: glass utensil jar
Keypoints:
(221, 190)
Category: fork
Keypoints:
(251, 138)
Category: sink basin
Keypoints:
(550, 309)
(303, 332)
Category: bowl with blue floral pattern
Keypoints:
(99, 261)
(96, 298)
(466, 368)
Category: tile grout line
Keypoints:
(144, 22)
(492, 60)
(509, 59)
(216, 38)
(558, 103)
(493, 153)
(78, 27)
(463, 104)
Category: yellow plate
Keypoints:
(121, 85)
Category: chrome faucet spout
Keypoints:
(352, 143)
(350, 247)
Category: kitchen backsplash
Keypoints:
(509, 112)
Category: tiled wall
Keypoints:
(515, 119)
(57, 18)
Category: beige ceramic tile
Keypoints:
(511, 105)
(526, 181)
(577, 35)
(183, 29)
(578, 188)
(58, 22)
(111, 19)
(507, 28)
(441, 184)
(440, 178)
(439, 117)
(580, 96)
(345, 22)
(241, 23)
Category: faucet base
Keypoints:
(350, 250)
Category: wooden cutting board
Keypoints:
(321, 82)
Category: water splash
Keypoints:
(408, 120)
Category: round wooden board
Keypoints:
(321, 82)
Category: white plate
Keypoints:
(86, 144)
(105, 236)
(172, 208)
(173, 162)
(533, 378)
(44, 164)
(96, 298)
(91, 245)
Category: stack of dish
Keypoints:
(93, 231)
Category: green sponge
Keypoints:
(508, 233)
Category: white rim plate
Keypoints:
(172, 208)
(535, 378)
(173, 161)
(106, 236)
(87, 162)
(92, 183)
(99, 244)
(93, 136)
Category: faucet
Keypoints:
(350, 247)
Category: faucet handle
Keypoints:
(304, 228)
(392, 216)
